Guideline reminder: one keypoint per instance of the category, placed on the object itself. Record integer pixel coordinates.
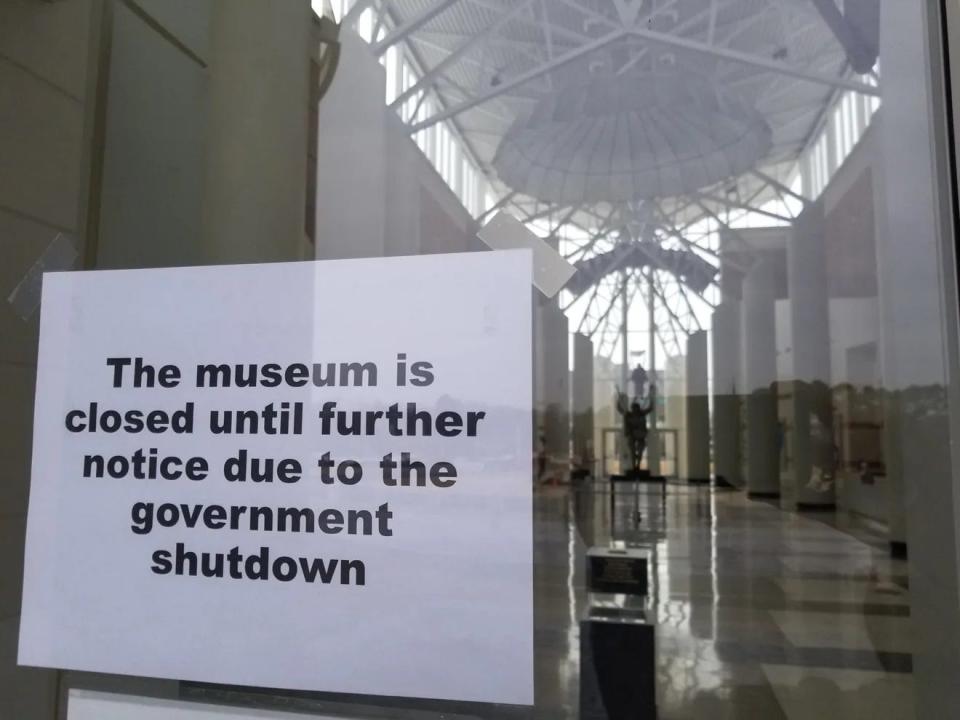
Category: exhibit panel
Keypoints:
(421, 359)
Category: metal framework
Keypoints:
(484, 63)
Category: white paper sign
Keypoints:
(299, 475)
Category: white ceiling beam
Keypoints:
(589, 13)
(550, 209)
(519, 80)
(356, 11)
(666, 226)
(558, 30)
(740, 27)
(554, 234)
(548, 34)
(586, 311)
(596, 291)
(656, 284)
(682, 27)
(382, 13)
(712, 22)
(624, 286)
(733, 233)
(602, 231)
(725, 53)
(743, 206)
(633, 277)
(411, 26)
(784, 190)
(440, 68)
(667, 229)
(499, 205)
(676, 322)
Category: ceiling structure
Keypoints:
(630, 120)
(619, 139)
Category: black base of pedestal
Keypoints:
(631, 476)
(898, 549)
(759, 495)
(721, 482)
(816, 507)
(698, 481)
(617, 670)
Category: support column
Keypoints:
(625, 386)
(582, 394)
(812, 422)
(539, 388)
(256, 161)
(698, 409)
(653, 447)
(675, 412)
(726, 390)
(889, 296)
(624, 335)
(368, 195)
(918, 307)
(759, 352)
(555, 370)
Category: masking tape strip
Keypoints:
(60, 254)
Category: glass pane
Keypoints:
(743, 332)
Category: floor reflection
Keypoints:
(760, 613)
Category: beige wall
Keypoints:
(255, 160)
(153, 152)
(352, 138)
(171, 132)
(44, 107)
(205, 137)
(115, 118)
(385, 198)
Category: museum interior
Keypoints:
(746, 367)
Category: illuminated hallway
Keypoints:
(759, 612)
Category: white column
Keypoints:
(256, 161)
(402, 205)
(582, 395)
(365, 179)
(812, 419)
(654, 443)
(675, 407)
(698, 409)
(758, 351)
(919, 336)
(555, 373)
(539, 382)
(726, 393)
(886, 305)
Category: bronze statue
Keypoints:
(635, 416)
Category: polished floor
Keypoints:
(759, 612)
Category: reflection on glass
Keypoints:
(753, 198)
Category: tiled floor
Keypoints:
(760, 613)
(818, 693)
